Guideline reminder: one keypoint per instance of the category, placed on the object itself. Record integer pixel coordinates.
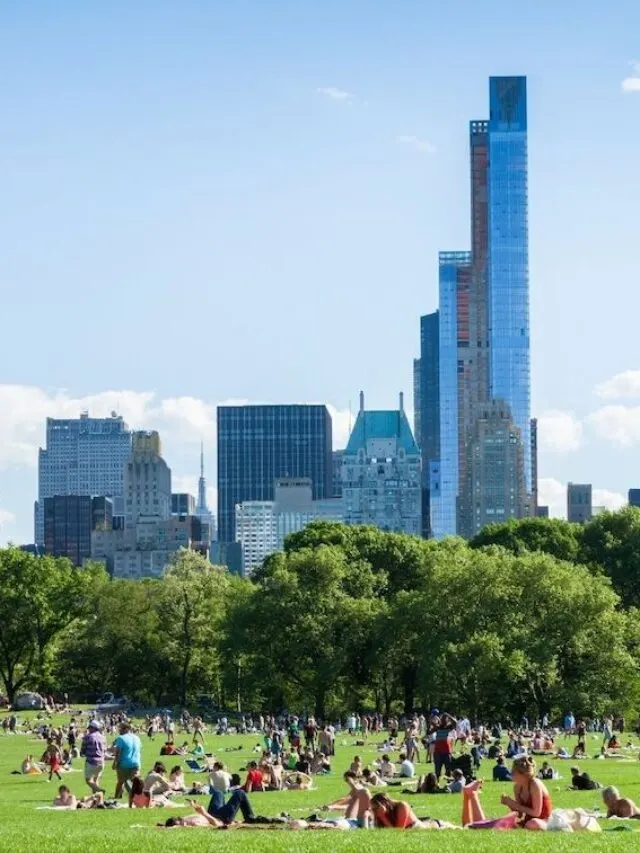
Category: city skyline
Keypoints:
(337, 172)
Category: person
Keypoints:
(226, 812)
(356, 804)
(501, 771)
(407, 770)
(65, 798)
(29, 767)
(396, 814)
(53, 757)
(356, 766)
(457, 782)
(255, 779)
(581, 781)
(530, 807)
(387, 767)
(138, 797)
(618, 806)
(370, 777)
(93, 750)
(546, 772)
(443, 745)
(127, 757)
(156, 782)
(219, 783)
(176, 779)
(298, 782)
(429, 785)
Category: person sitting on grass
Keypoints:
(581, 781)
(138, 797)
(546, 772)
(501, 771)
(579, 751)
(177, 781)
(255, 779)
(429, 785)
(298, 782)
(29, 767)
(457, 782)
(387, 768)
(357, 802)
(407, 770)
(356, 766)
(618, 806)
(156, 782)
(373, 779)
(529, 808)
(614, 743)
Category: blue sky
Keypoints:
(204, 201)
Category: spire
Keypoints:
(401, 401)
(202, 485)
(362, 401)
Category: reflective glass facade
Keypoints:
(259, 444)
(454, 267)
(427, 406)
(508, 263)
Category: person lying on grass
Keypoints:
(396, 814)
(581, 781)
(618, 806)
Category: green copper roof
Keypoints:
(382, 424)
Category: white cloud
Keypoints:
(607, 499)
(618, 424)
(626, 384)
(334, 93)
(559, 431)
(632, 82)
(417, 144)
(553, 493)
(6, 518)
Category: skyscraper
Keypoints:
(426, 404)
(484, 330)
(202, 510)
(83, 456)
(579, 502)
(258, 445)
(69, 521)
(381, 472)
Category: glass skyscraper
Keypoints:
(427, 405)
(258, 445)
(83, 456)
(484, 332)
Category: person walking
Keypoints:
(93, 749)
(127, 757)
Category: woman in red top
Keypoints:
(392, 814)
(255, 779)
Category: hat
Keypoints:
(95, 724)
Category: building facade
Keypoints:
(381, 472)
(259, 444)
(202, 510)
(262, 526)
(82, 456)
(579, 502)
(634, 497)
(182, 503)
(69, 521)
(427, 407)
(484, 324)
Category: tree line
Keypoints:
(532, 616)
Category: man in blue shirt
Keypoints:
(127, 757)
(501, 771)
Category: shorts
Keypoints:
(127, 773)
(92, 772)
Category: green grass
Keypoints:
(22, 827)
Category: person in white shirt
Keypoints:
(407, 770)
(219, 779)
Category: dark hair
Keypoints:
(176, 769)
(137, 786)
(172, 821)
(159, 767)
(235, 779)
(349, 774)
(430, 784)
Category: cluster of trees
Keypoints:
(531, 616)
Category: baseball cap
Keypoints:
(95, 724)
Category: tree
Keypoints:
(41, 597)
(551, 535)
(611, 544)
(192, 612)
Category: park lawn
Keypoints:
(24, 827)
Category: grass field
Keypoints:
(24, 827)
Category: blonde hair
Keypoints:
(525, 765)
(610, 794)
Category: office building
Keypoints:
(579, 502)
(336, 489)
(147, 480)
(82, 456)
(182, 504)
(542, 512)
(634, 497)
(484, 326)
(534, 465)
(68, 524)
(259, 444)
(426, 404)
(262, 526)
(495, 489)
(202, 510)
(381, 472)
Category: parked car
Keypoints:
(111, 702)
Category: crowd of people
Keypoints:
(292, 753)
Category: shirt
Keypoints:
(442, 745)
(155, 784)
(220, 780)
(129, 747)
(501, 773)
(407, 769)
(93, 747)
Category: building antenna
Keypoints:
(350, 418)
